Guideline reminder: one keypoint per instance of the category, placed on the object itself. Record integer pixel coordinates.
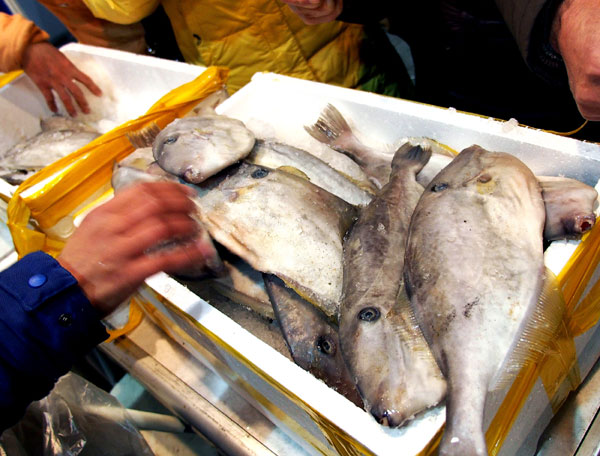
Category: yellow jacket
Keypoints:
(16, 33)
(259, 35)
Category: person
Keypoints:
(264, 35)
(25, 46)
(51, 309)
(535, 61)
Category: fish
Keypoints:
(195, 148)
(569, 207)
(331, 128)
(281, 224)
(381, 342)
(274, 154)
(125, 176)
(244, 285)
(311, 337)
(59, 137)
(476, 280)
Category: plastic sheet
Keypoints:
(76, 418)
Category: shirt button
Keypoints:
(37, 280)
(65, 320)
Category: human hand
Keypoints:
(576, 35)
(51, 70)
(108, 253)
(316, 11)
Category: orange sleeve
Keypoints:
(16, 33)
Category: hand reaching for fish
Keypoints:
(316, 11)
(51, 70)
(108, 255)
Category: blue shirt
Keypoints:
(46, 324)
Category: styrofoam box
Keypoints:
(279, 107)
(130, 84)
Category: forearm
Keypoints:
(46, 324)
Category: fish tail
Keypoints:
(537, 334)
(410, 156)
(329, 127)
(143, 137)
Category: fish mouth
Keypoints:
(192, 176)
(388, 417)
(584, 223)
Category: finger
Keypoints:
(65, 96)
(77, 93)
(169, 261)
(155, 231)
(49, 97)
(87, 81)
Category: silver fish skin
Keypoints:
(569, 207)
(195, 148)
(381, 342)
(332, 129)
(312, 339)
(58, 122)
(277, 155)
(474, 272)
(26, 158)
(281, 224)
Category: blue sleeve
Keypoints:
(46, 324)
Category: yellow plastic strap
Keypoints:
(6, 78)
(568, 133)
(136, 315)
(61, 188)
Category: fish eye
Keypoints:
(260, 173)
(170, 140)
(369, 314)
(326, 345)
(439, 187)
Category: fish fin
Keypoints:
(540, 328)
(410, 156)
(143, 137)
(329, 126)
(294, 171)
(410, 331)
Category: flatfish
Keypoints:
(59, 137)
(280, 224)
(569, 206)
(195, 148)
(474, 273)
(274, 154)
(382, 344)
(312, 339)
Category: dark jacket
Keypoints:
(46, 324)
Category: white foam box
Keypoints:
(130, 83)
(315, 416)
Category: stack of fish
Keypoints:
(418, 281)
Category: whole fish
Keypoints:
(280, 224)
(332, 129)
(195, 148)
(474, 273)
(59, 137)
(382, 344)
(569, 207)
(312, 339)
(278, 155)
